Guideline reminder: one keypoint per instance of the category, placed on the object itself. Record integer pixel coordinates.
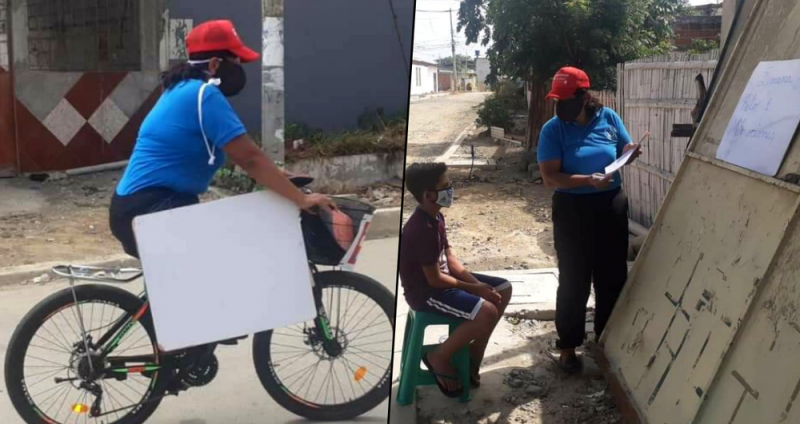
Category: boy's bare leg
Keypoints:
(480, 327)
(478, 347)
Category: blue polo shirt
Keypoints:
(585, 150)
(170, 151)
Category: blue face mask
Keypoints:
(445, 198)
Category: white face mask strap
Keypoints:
(211, 149)
(198, 62)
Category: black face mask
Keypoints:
(568, 110)
(233, 78)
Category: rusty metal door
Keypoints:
(8, 144)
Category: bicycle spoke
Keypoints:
(366, 352)
(312, 377)
(365, 359)
(67, 344)
(62, 348)
(372, 343)
(299, 356)
(49, 373)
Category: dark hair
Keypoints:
(184, 71)
(593, 105)
(424, 176)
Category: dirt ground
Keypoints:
(67, 220)
(500, 220)
(433, 124)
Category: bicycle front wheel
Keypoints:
(332, 381)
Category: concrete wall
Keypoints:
(423, 79)
(347, 173)
(482, 70)
(246, 15)
(342, 56)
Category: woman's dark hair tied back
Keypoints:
(184, 71)
(593, 105)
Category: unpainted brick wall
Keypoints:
(84, 35)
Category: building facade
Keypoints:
(482, 70)
(77, 80)
(424, 78)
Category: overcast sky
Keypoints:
(432, 30)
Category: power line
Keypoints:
(399, 39)
(433, 11)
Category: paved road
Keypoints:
(236, 396)
(435, 123)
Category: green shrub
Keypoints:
(494, 112)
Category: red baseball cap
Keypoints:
(566, 82)
(218, 35)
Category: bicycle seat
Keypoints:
(301, 181)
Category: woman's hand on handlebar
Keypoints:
(317, 200)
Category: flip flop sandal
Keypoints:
(572, 367)
(437, 376)
(474, 381)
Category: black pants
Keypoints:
(591, 240)
(125, 208)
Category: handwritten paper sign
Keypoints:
(764, 122)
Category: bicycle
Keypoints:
(98, 368)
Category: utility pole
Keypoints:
(453, 46)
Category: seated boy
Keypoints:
(435, 281)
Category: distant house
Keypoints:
(482, 70)
(424, 78)
(705, 25)
(467, 80)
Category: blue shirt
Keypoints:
(170, 151)
(585, 150)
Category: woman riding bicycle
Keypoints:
(184, 140)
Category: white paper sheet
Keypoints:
(765, 120)
(619, 163)
(225, 269)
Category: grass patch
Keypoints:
(317, 144)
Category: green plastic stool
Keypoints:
(411, 374)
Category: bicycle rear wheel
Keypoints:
(52, 363)
(332, 384)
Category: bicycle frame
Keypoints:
(148, 363)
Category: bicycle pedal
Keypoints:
(232, 342)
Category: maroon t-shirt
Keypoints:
(423, 243)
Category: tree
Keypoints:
(531, 40)
(447, 62)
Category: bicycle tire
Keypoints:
(263, 358)
(37, 317)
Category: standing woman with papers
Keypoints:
(590, 210)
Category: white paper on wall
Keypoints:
(765, 120)
(225, 269)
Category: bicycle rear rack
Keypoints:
(96, 274)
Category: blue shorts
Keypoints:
(460, 304)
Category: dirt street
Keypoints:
(433, 124)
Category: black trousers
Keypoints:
(125, 208)
(591, 240)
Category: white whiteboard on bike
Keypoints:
(225, 269)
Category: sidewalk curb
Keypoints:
(19, 274)
(385, 224)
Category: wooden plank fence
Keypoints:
(653, 94)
